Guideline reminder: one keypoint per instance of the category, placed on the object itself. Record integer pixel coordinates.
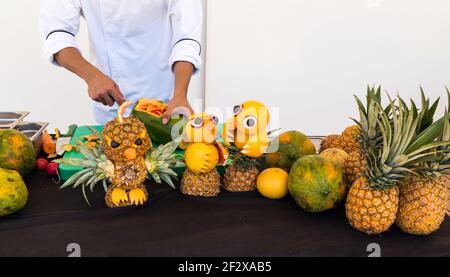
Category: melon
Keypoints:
(151, 113)
(316, 184)
(292, 145)
(16, 152)
(13, 192)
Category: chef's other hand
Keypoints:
(103, 89)
(178, 105)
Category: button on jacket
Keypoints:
(135, 42)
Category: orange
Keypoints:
(272, 183)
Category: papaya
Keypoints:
(13, 192)
(151, 113)
(16, 152)
(292, 145)
(316, 184)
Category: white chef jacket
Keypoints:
(134, 42)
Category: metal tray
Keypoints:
(10, 119)
(34, 131)
(317, 140)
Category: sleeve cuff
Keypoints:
(189, 51)
(56, 42)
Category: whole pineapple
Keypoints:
(424, 198)
(371, 210)
(331, 141)
(350, 139)
(241, 175)
(423, 205)
(373, 200)
(354, 166)
(203, 184)
(368, 138)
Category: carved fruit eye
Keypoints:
(138, 142)
(237, 109)
(197, 123)
(249, 122)
(215, 119)
(115, 144)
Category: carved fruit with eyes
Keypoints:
(125, 143)
(203, 153)
(247, 128)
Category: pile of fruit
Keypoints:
(397, 166)
(17, 160)
(391, 167)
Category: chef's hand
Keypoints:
(103, 89)
(178, 105)
(100, 87)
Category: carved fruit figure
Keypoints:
(126, 143)
(202, 156)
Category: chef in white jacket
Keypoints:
(139, 48)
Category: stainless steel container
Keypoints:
(317, 140)
(34, 131)
(10, 119)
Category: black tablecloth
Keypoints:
(172, 224)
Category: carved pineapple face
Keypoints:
(127, 140)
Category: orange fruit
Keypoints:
(201, 157)
(272, 183)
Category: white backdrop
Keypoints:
(308, 57)
(305, 56)
(29, 83)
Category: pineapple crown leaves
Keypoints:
(440, 165)
(370, 136)
(239, 159)
(426, 112)
(96, 168)
(392, 163)
(161, 161)
(431, 132)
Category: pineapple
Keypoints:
(369, 136)
(331, 141)
(423, 205)
(350, 139)
(371, 210)
(424, 198)
(203, 184)
(354, 166)
(241, 175)
(373, 200)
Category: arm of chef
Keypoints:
(59, 23)
(187, 20)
